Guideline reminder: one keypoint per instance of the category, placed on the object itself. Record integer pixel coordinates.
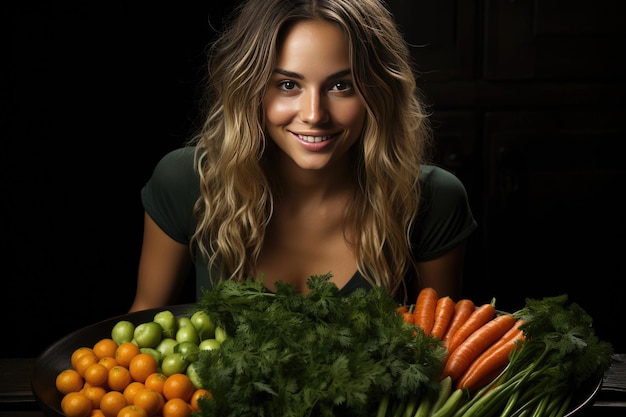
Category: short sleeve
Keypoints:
(171, 192)
(445, 218)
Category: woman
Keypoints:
(311, 160)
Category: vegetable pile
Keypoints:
(320, 354)
(323, 354)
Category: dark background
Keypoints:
(528, 112)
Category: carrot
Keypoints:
(402, 309)
(475, 344)
(462, 310)
(425, 308)
(479, 317)
(443, 314)
(491, 361)
(408, 317)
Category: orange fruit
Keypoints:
(149, 400)
(125, 352)
(132, 411)
(108, 361)
(96, 412)
(141, 366)
(95, 394)
(104, 348)
(132, 389)
(78, 353)
(200, 392)
(178, 386)
(76, 404)
(176, 407)
(83, 362)
(112, 402)
(156, 381)
(119, 378)
(96, 374)
(69, 380)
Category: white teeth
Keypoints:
(313, 139)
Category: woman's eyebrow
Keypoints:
(298, 76)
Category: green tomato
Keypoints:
(154, 353)
(167, 320)
(123, 331)
(148, 334)
(183, 321)
(187, 334)
(189, 350)
(194, 374)
(166, 346)
(220, 334)
(209, 344)
(203, 324)
(174, 363)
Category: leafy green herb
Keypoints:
(319, 354)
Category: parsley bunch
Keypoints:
(319, 354)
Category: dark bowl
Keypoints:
(57, 358)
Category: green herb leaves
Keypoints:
(320, 354)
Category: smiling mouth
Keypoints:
(313, 139)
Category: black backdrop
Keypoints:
(94, 95)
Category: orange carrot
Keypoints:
(462, 310)
(402, 309)
(408, 317)
(475, 344)
(443, 314)
(479, 317)
(425, 308)
(491, 361)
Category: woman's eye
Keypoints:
(287, 85)
(341, 86)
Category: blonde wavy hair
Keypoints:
(237, 193)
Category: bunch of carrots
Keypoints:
(478, 338)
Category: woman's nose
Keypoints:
(314, 109)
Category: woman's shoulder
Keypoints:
(435, 179)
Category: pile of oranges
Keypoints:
(118, 380)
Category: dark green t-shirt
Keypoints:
(445, 218)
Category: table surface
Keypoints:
(17, 399)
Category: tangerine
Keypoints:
(142, 365)
(95, 394)
(198, 393)
(119, 378)
(149, 400)
(132, 411)
(96, 374)
(125, 352)
(132, 389)
(104, 348)
(78, 353)
(112, 402)
(69, 380)
(176, 407)
(178, 386)
(76, 404)
(84, 361)
(156, 381)
(108, 361)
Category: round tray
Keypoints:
(57, 358)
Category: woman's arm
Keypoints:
(164, 265)
(444, 274)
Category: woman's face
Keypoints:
(312, 111)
